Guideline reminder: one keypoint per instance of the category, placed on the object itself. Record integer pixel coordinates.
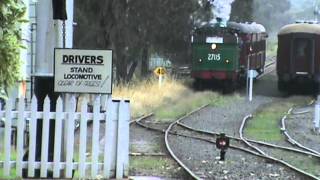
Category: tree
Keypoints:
(242, 11)
(272, 13)
(135, 28)
(11, 16)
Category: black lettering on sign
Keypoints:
(82, 59)
(93, 59)
(99, 59)
(64, 58)
(87, 58)
(78, 83)
(92, 83)
(81, 70)
(71, 58)
(65, 82)
(83, 76)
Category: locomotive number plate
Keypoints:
(214, 57)
(214, 40)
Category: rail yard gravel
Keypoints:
(299, 125)
(238, 165)
(203, 157)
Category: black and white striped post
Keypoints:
(251, 76)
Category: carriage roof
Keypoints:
(300, 28)
(247, 27)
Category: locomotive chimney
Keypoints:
(221, 22)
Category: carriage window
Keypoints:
(301, 47)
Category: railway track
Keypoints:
(259, 149)
(292, 140)
(236, 144)
(266, 154)
(269, 67)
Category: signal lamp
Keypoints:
(227, 61)
(200, 60)
(222, 143)
(213, 46)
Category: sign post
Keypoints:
(160, 72)
(83, 71)
(251, 74)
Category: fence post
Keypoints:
(32, 137)
(57, 139)
(70, 136)
(7, 138)
(83, 138)
(122, 140)
(110, 139)
(126, 113)
(20, 136)
(95, 137)
(45, 138)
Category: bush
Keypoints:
(11, 17)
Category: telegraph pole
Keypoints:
(49, 36)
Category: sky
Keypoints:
(301, 4)
(304, 8)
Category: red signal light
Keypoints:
(222, 142)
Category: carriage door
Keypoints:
(302, 56)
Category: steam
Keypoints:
(274, 14)
(222, 9)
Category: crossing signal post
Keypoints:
(222, 143)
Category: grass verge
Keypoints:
(192, 101)
(265, 125)
(306, 163)
(13, 174)
(159, 166)
(170, 101)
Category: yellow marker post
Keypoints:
(160, 72)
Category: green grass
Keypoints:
(308, 164)
(150, 163)
(13, 174)
(151, 147)
(272, 47)
(265, 125)
(176, 109)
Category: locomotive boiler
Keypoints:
(226, 53)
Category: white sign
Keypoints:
(83, 71)
(214, 40)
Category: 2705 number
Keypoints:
(214, 57)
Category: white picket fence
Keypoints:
(112, 161)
